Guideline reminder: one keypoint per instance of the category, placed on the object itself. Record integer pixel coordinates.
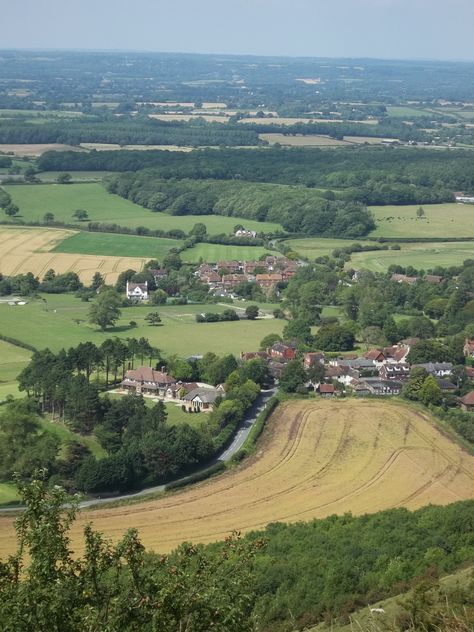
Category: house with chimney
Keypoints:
(282, 351)
(147, 381)
(137, 292)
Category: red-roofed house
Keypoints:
(282, 352)
(376, 355)
(326, 390)
(311, 359)
(144, 379)
(467, 402)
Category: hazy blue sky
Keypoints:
(437, 29)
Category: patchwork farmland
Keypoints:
(315, 459)
(31, 250)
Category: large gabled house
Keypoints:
(282, 351)
(399, 371)
(137, 292)
(147, 381)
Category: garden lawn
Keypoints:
(177, 416)
(61, 321)
(63, 199)
(116, 245)
(440, 221)
(422, 256)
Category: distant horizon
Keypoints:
(367, 29)
(140, 51)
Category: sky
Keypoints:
(393, 29)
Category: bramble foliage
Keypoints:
(46, 587)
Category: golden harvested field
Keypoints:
(116, 147)
(210, 118)
(315, 458)
(29, 250)
(293, 120)
(298, 140)
(35, 150)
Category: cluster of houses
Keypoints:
(378, 372)
(194, 396)
(224, 276)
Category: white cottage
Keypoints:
(137, 291)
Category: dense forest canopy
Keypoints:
(297, 209)
(374, 175)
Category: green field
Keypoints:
(314, 247)
(407, 112)
(62, 200)
(12, 360)
(210, 253)
(419, 255)
(440, 220)
(117, 245)
(62, 322)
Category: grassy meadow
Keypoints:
(116, 245)
(440, 221)
(63, 199)
(419, 255)
(211, 253)
(61, 321)
(314, 247)
(12, 360)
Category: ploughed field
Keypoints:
(315, 458)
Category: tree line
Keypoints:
(376, 175)
(298, 210)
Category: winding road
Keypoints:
(238, 441)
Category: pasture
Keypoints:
(116, 245)
(314, 247)
(31, 250)
(61, 321)
(12, 360)
(421, 256)
(315, 458)
(62, 200)
(440, 220)
(210, 253)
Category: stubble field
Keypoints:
(315, 459)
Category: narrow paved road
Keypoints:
(237, 442)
